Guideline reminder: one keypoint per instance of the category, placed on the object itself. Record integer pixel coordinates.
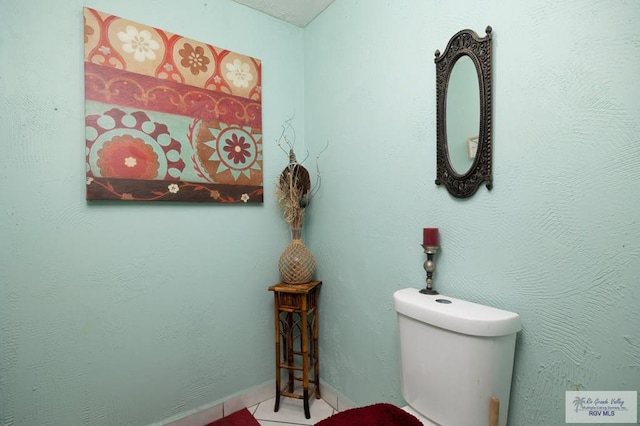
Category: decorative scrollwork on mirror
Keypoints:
(463, 180)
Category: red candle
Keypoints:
(430, 237)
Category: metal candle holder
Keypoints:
(429, 266)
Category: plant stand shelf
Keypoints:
(296, 340)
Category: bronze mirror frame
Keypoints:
(465, 42)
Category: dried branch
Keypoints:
(292, 193)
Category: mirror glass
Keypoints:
(463, 114)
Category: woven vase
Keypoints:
(296, 263)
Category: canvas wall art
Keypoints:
(169, 118)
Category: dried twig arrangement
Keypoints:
(292, 192)
(293, 189)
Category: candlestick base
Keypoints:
(429, 266)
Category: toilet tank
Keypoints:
(455, 356)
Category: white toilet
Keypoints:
(456, 356)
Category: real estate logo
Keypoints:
(601, 406)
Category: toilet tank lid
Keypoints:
(455, 314)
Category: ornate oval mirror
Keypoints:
(463, 114)
(463, 89)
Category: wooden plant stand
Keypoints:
(296, 321)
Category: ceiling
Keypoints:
(296, 12)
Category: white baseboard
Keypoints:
(248, 398)
(211, 412)
(334, 398)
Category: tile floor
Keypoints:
(291, 412)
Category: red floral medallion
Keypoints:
(129, 158)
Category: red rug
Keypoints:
(239, 418)
(372, 415)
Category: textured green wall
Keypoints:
(558, 238)
(129, 314)
(117, 313)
